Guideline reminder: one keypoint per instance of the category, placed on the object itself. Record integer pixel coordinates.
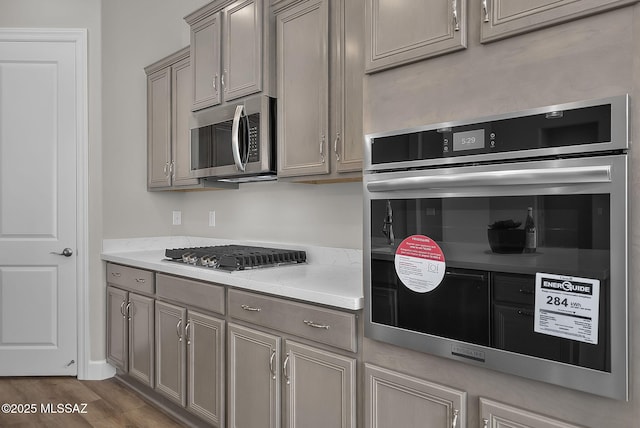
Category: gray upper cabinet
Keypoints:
(323, 140)
(242, 48)
(398, 34)
(495, 414)
(168, 107)
(205, 49)
(302, 33)
(504, 18)
(396, 399)
(228, 41)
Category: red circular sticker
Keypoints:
(420, 263)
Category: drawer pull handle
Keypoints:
(116, 274)
(141, 280)
(315, 325)
(250, 308)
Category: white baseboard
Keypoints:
(99, 370)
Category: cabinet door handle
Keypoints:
(271, 367)
(315, 325)
(284, 369)
(122, 309)
(485, 9)
(127, 309)
(187, 333)
(456, 24)
(250, 308)
(179, 330)
(322, 140)
(224, 86)
(485, 423)
(456, 412)
(335, 146)
(215, 82)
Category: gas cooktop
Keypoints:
(235, 257)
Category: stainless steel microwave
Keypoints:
(235, 142)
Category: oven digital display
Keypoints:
(468, 140)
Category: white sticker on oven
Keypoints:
(567, 306)
(420, 263)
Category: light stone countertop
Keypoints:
(331, 276)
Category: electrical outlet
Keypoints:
(212, 218)
(177, 218)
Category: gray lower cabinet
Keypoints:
(275, 380)
(400, 33)
(130, 334)
(504, 18)
(323, 141)
(394, 399)
(495, 414)
(254, 378)
(312, 386)
(189, 360)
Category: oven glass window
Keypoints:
(497, 253)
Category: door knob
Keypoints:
(67, 252)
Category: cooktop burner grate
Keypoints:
(235, 257)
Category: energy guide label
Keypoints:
(420, 263)
(567, 307)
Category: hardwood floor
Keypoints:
(67, 402)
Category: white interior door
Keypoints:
(38, 206)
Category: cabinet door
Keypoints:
(117, 333)
(205, 54)
(303, 89)
(242, 48)
(504, 18)
(140, 313)
(170, 351)
(494, 414)
(399, 33)
(159, 129)
(347, 73)
(205, 350)
(181, 134)
(254, 378)
(395, 399)
(320, 388)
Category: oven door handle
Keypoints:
(516, 177)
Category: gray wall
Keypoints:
(589, 58)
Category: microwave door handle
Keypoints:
(235, 138)
(505, 178)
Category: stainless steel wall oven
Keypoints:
(502, 242)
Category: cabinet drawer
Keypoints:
(321, 325)
(133, 279)
(191, 293)
(514, 288)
